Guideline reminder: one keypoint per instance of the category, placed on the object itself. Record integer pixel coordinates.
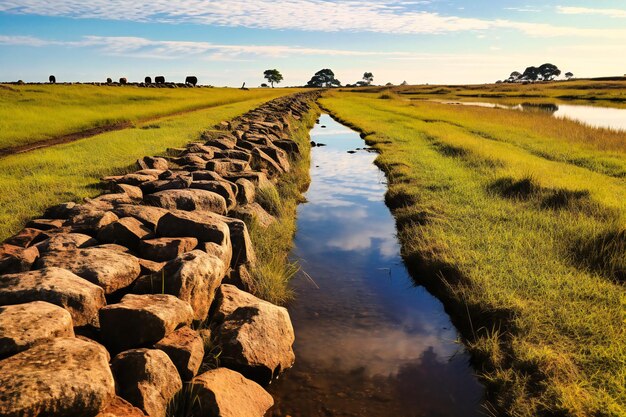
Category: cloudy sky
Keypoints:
(231, 41)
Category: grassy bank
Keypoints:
(272, 244)
(517, 221)
(32, 181)
(32, 113)
(601, 93)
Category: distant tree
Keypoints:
(389, 84)
(264, 85)
(404, 83)
(323, 79)
(515, 75)
(273, 76)
(52, 79)
(361, 84)
(569, 75)
(123, 80)
(368, 77)
(147, 80)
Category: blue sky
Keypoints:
(232, 41)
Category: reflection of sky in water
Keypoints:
(362, 325)
(594, 116)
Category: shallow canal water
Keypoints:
(368, 341)
(594, 116)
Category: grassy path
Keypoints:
(32, 181)
(31, 114)
(527, 248)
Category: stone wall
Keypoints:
(106, 307)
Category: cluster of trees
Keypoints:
(545, 72)
(324, 78)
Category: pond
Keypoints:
(369, 342)
(590, 115)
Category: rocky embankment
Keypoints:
(114, 307)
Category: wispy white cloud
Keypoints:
(379, 16)
(614, 13)
(524, 9)
(160, 49)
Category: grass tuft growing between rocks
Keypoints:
(523, 243)
(272, 244)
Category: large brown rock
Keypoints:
(65, 377)
(166, 248)
(15, 259)
(45, 224)
(25, 325)
(148, 162)
(132, 191)
(259, 179)
(193, 277)
(115, 198)
(66, 241)
(147, 378)
(263, 162)
(256, 337)
(91, 221)
(140, 320)
(119, 407)
(246, 191)
(127, 231)
(243, 251)
(148, 215)
(173, 183)
(109, 269)
(188, 200)
(57, 286)
(25, 237)
(224, 188)
(185, 348)
(253, 212)
(222, 392)
(227, 165)
(203, 226)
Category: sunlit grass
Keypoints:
(529, 243)
(32, 181)
(604, 93)
(31, 113)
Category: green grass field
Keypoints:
(32, 181)
(32, 113)
(599, 93)
(518, 222)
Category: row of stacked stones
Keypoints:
(106, 307)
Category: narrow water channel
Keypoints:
(368, 341)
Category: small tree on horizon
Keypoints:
(368, 77)
(569, 75)
(273, 76)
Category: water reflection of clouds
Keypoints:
(360, 329)
(379, 349)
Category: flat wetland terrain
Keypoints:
(34, 180)
(516, 220)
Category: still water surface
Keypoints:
(593, 116)
(368, 341)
